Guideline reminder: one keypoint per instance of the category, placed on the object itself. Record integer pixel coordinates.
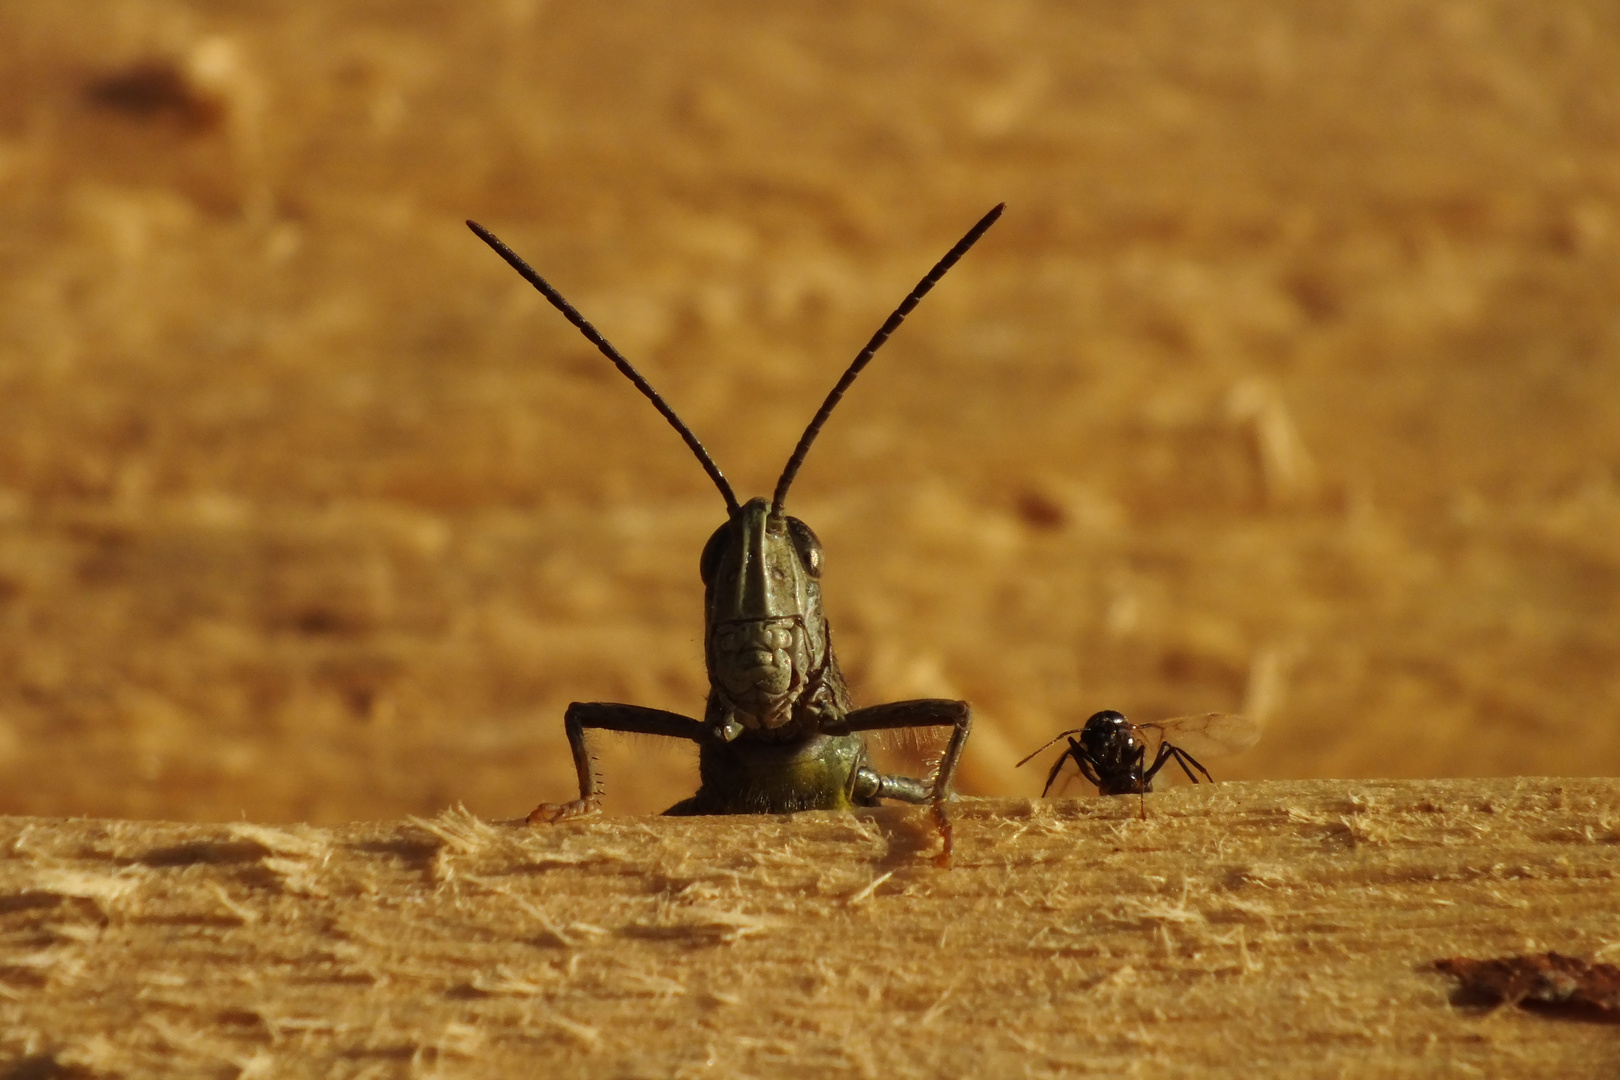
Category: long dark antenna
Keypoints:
(866, 354)
(1044, 745)
(595, 337)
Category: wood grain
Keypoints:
(1249, 929)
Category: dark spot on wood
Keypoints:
(213, 852)
(321, 620)
(25, 977)
(28, 901)
(239, 1018)
(40, 1067)
(1315, 296)
(361, 701)
(1040, 512)
(1169, 332)
(1550, 983)
(156, 90)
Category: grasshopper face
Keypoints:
(765, 634)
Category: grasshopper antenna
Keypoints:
(866, 354)
(595, 337)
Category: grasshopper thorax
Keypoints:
(765, 636)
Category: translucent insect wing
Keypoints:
(1202, 735)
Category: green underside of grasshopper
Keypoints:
(784, 778)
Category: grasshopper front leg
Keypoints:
(923, 712)
(608, 716)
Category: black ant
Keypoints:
(1112, 752)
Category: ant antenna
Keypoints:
(595, 337)
(1044, 745)
(866, 354)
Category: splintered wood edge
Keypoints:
(608, 944)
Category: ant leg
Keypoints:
(924, 712)
(1149, 773)
(1087, 767)
(1082, 762)
(607, 716)
(1183, 759)
(1057, 766)
(1166, 751)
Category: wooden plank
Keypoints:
(1249, 929)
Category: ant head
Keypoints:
(1105, 731)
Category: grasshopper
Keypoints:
(780, 733)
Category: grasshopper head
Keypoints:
(765, 632)
(766, 639)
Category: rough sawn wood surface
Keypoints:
(1249, 929)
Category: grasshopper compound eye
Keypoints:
(709, 561)
(806, 544)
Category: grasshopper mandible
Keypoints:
(780, 733)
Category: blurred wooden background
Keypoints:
(1290, 382)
